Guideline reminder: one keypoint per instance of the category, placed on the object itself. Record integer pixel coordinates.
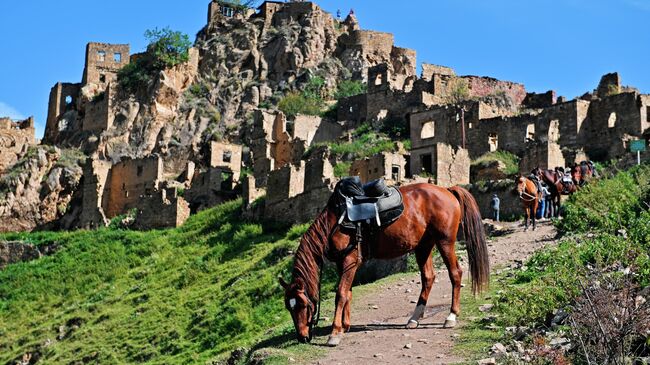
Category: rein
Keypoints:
(528, 195)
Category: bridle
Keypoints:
(523, 193)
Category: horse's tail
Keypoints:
(472, 225)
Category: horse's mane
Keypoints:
(311, 254)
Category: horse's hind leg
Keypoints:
(427, 275)
(448, 253)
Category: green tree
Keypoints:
(168, 47)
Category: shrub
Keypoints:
(167, 48)
(342, 169)
(347, 88)
(296, 103)
(510, 160)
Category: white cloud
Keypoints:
(7, 110)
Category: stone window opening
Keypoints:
(427, 164)
(123, 186)
(611, 121)
(68, 100)
(126, 194)
(395, 173)
(647, 114)
(469, 125)
(227, 11)
(102, 78)
(147, 192)
(140, 170)
(428, 130)
(117, 57)
(227, 156)
(493, 141)
(101, 56)
(226, 180)
(379, 80)
(530, 133)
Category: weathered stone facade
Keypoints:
(103, 61)
(15, 139)
(388, 166)
(447, 165)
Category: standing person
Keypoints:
(542, 203)
(495, 206)
(550, 209)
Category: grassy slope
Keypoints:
(606, 223)
(187, 295)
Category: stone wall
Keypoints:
(103, 61)
(226, 156)
(63, 98)
(129, 181)
(447, 165)
(285, 182)
(15, 139)
(98, 115)
(162, 209)
(510, 205)
(95, 177)
(388, 166)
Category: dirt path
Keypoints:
(378, 335)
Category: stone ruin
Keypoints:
(452, 119)
(90, 100)
(15, 138)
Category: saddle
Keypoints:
(366, 209)
(373, 204)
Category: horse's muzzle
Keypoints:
(303, 339)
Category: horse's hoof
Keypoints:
(412, 324)
(449, 324)
(334, 341)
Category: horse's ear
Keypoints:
(283, 283)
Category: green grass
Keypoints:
(186, 295)
(605, 225)
(365, 143)
(510, 160)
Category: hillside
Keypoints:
(185, 295)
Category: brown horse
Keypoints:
(556, 186)
(432, 216)
(529, 197)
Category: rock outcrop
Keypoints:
(37, 191)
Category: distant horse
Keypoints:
(556, 186)
(432, 217)
(582, 173)
(529, 197)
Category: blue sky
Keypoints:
(565, 45)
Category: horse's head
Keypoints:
(520, 185)
(576, 174)
(302, 308)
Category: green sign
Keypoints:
(637, 145)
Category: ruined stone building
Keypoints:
(388, 166)
(276, 142)
(113, 190)
(546, 133)
(86, 106)
(15, 139)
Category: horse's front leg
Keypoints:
(347, 269)
(526, 215)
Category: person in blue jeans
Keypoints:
(495, 206)
(542, 204)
